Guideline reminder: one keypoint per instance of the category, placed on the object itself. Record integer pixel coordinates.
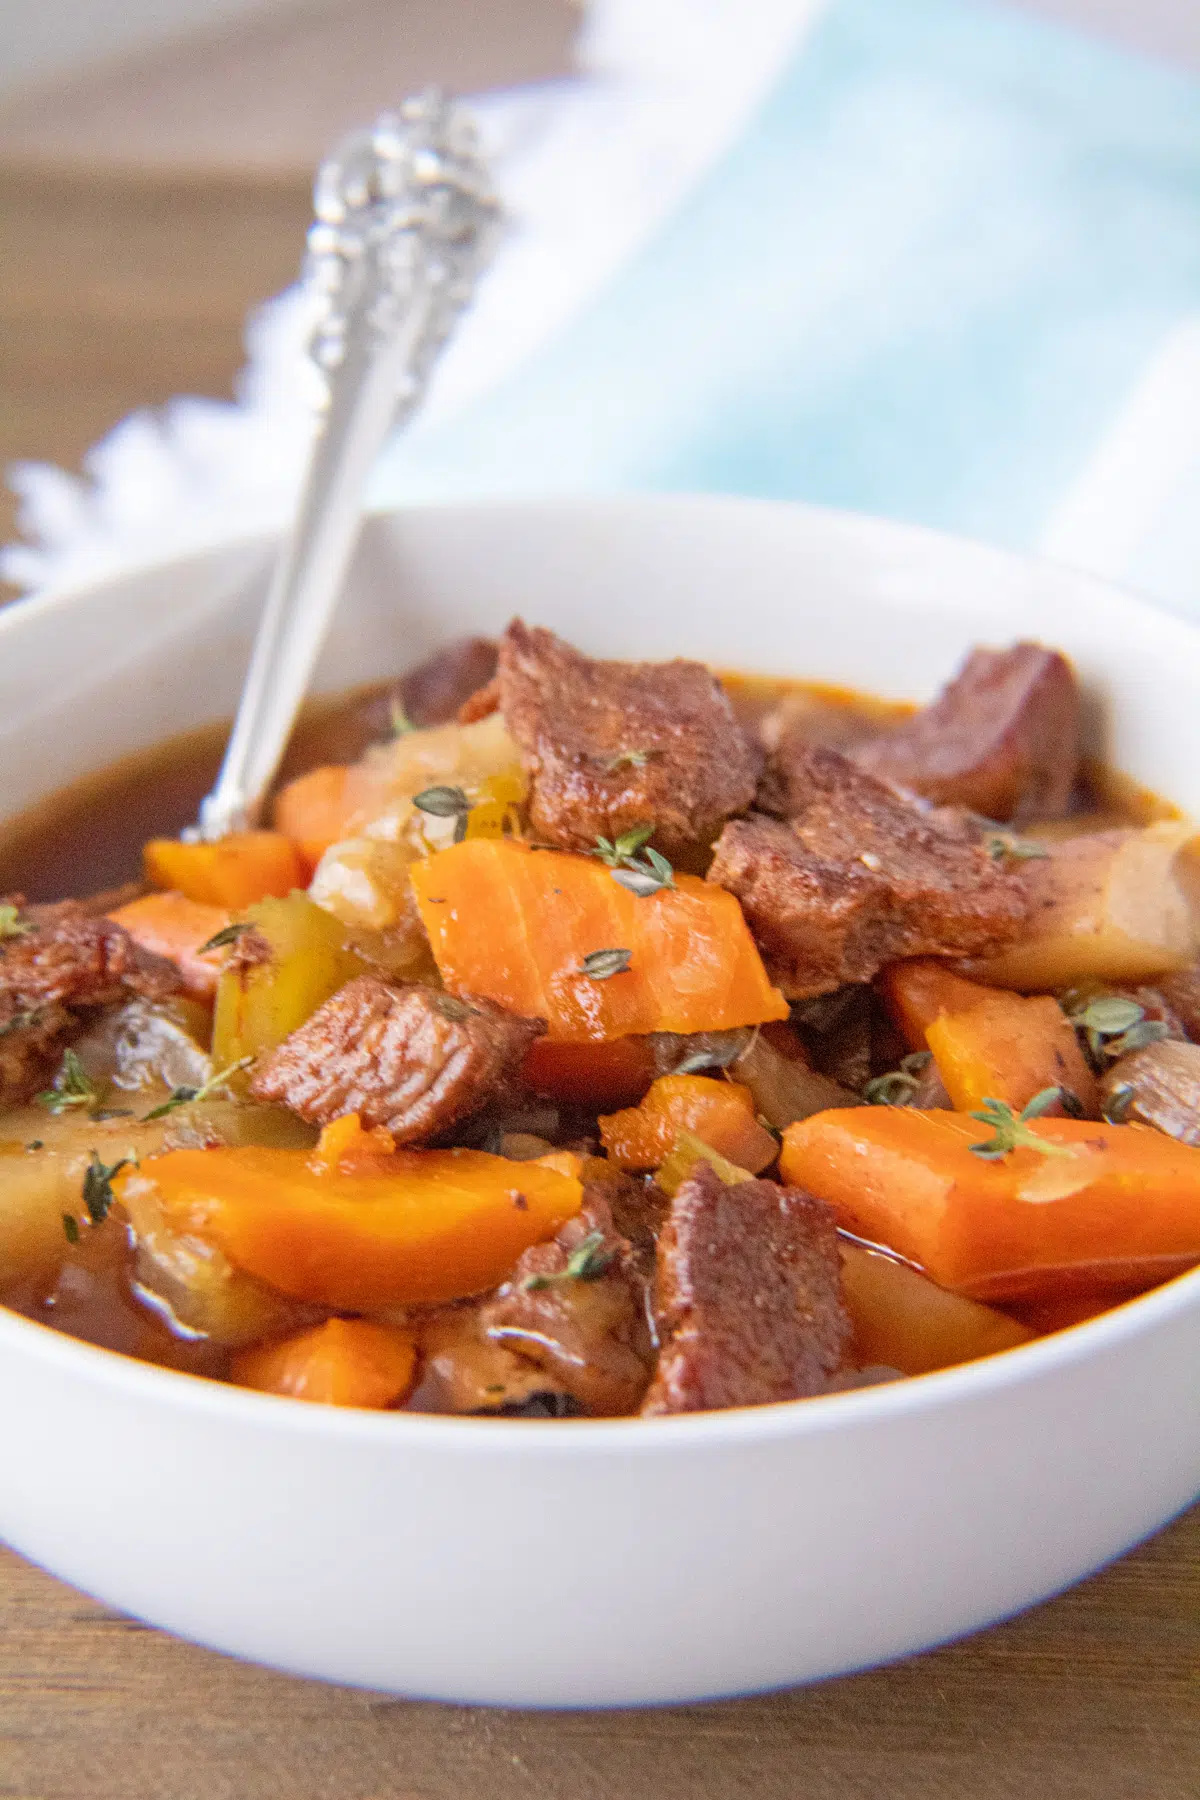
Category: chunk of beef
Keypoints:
(59, 964)
(32, 1040)
(748, 1297)
(1158, 1085)
(859, 879)
(611, 745)
(576, 1306)
(64, 954)
(462, 1371)
(399, 1054)
(1002, 738)
(1180, 997)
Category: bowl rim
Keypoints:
(405, 1432)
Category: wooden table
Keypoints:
(118, 288)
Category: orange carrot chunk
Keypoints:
(324, 806)
(236, 871)
(611, 1073)
(1114, 1206)
(171, 925)
(988, 1043)
(919, 991)
(526, 928)
(720, 1113)
(1010, 1048)
(345, 1362)
(352, 1227)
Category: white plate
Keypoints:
(599, 1562)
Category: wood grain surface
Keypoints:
(1095, 1696)
(119, 288)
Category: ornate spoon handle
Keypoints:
(404, 224)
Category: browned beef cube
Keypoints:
(612, 745)
(861, 878)
(67, 955)
(60, 958)
(399, 1054)
(748, 1297)
(576, 1307)
(1002, 738)
(32, 1040)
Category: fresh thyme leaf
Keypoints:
(70, 1228)
(631, 841)
(616, 851)
(1117, 1106)
(1143, 1032)
(35, 1144)
(400, 722)
(629, 759)
(587, 1262)
(442, 802)
(600, 965)
(185, 1095)
(73, 1086)
(1001, 847)
(642, 882)
(228, 934)
(97, 1186)
(662, 868)
(1108, 1014)
(20, 1020)
(12, 925)
(1012, 1130)
(1114, 1026)
(893, 1089)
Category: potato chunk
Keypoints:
(278, 973)
(1117, 906)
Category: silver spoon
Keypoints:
(405, 222)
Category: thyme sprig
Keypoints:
(1113, 1026)
(444, 802)
(73, 1086)
(228, 934)
(642, 871)
(601, 965)
(1011, 1130)
(587, 1262)
(12, 925)
(98, 1177)
(1001, 846)
(186, 1095)
(898, 1086)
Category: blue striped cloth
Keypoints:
(922, 283)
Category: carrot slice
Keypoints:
(720, 1113)
(1121, 1207)
(611, 1073)
(344, 1362)
(987, 1042)
(919, 991)
(524, 927)
(324, 806)
(239, 869)
(1010, 1048)
(366, 1232)
(171, 925)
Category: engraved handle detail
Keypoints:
(405, 222)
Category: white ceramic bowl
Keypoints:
(599, 1562)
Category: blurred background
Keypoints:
(156, 156)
